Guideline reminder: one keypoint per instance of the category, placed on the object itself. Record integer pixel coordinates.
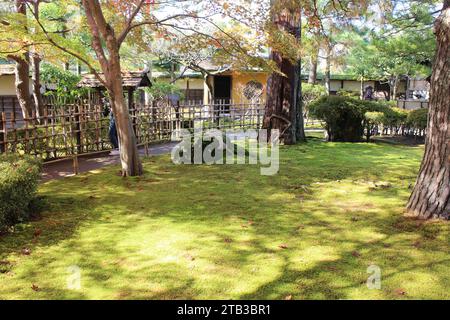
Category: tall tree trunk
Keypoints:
(298, 101)
(312, 77)
(328, 74)
(280, 109)
(284, 90)
(431, 195)
(103, 34)
(22, 72)
(129, 153)
(395, 87)
(22, 83)
(36, 84)
(35, 62)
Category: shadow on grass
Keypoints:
(187, 232)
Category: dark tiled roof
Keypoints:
(130, 79)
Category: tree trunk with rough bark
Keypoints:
(431, 195)
(283, 105)
(279, 105)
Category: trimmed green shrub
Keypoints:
(418, 119)
(345, 117)
(348, 94)
(395, 117)
(18, 183)
(372, 120)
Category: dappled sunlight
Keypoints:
(193, 232)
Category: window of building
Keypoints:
(194, 95)
(253, 90)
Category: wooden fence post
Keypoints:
(75, 164)
(78, 128)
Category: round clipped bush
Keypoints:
(395, 117)
(418, 119)
(345, 117)
(19, 178)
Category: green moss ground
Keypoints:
(207, 232)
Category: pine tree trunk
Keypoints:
(431, 195)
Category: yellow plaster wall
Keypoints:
(7, 86)
(239, 81)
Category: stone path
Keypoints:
(62, 169)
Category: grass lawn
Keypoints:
(206, 232)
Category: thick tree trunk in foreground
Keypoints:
(283, 105)
(279, 105)
(431, 195)
(103, 34)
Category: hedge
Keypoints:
(418, 119)
(19, 178)
(345, 117)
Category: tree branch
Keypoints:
(129, 22)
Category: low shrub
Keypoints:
(345, 117)
(395, 117)
(418, 119)
(348, 94)
(372, 120)
(18, 183)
